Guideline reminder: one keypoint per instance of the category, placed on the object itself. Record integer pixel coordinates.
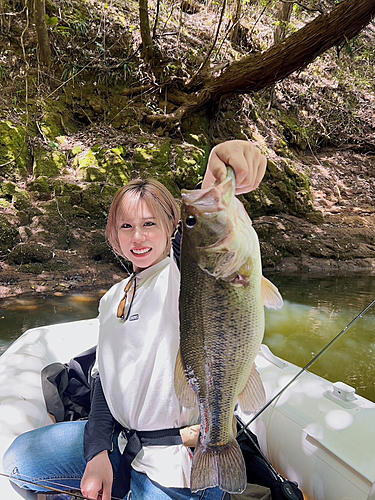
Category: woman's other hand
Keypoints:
(190, 435)
(98, 478)
(248, 163)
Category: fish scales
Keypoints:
(221, 328)
(217, 334)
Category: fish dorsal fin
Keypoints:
(270, 295)
(253, 397)
(184, 392)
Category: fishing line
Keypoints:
(49, 488)
(360, 315)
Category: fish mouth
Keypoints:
(213, 199)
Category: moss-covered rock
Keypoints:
(22, 200)
(48, 163)
(153, 160)
(40, 188)
(62, 207)
(32, 268)
(13, 147)
(118, 170)
(61, 187)
(7, 190)
(96, 200)
(87, 166)
(294, 132)
(98, 248)
(39, 267)
(57, 120)
(26, 253)
(271, 256)
(76, 150)
(284, 189)
(190, 165)
(9, 234)
(197, 122)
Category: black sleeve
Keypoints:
(100, 426)
(176, 244)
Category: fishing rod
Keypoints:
(49, 488)
(351, 323)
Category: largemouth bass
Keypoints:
(221, 328)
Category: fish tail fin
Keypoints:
(221, 466)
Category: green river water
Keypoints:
(315, 310)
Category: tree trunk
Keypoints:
(42, 32)
(236, 22)
(258, 71)
(283, 17)
(148, 44)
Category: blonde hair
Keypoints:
(158, 199)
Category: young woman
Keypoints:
(134, 408)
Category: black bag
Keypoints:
(67, 387)
(260, 471)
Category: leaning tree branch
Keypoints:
(257, 71)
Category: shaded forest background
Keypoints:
(95, 93)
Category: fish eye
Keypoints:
(190, 221)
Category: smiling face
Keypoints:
(142, 218)
(141, 235)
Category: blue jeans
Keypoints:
(53, 456)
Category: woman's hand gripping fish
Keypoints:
(221, 327)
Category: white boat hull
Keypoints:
(320, 434)
(324, 442)
(22, 406)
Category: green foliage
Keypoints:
(128, 69)
(51, 21)
(80, 27)
(70, 70)
(4, 73)
(64, 31)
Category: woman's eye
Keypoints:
(125, 226)
(149, 223)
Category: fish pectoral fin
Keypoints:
(270, 295)
(253, 397)
(184, 392)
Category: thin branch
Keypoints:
(303, 6)
(259, 17)
(168, 18)
(156, 19)
(192, 80)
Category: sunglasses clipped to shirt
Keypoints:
(123, 310)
